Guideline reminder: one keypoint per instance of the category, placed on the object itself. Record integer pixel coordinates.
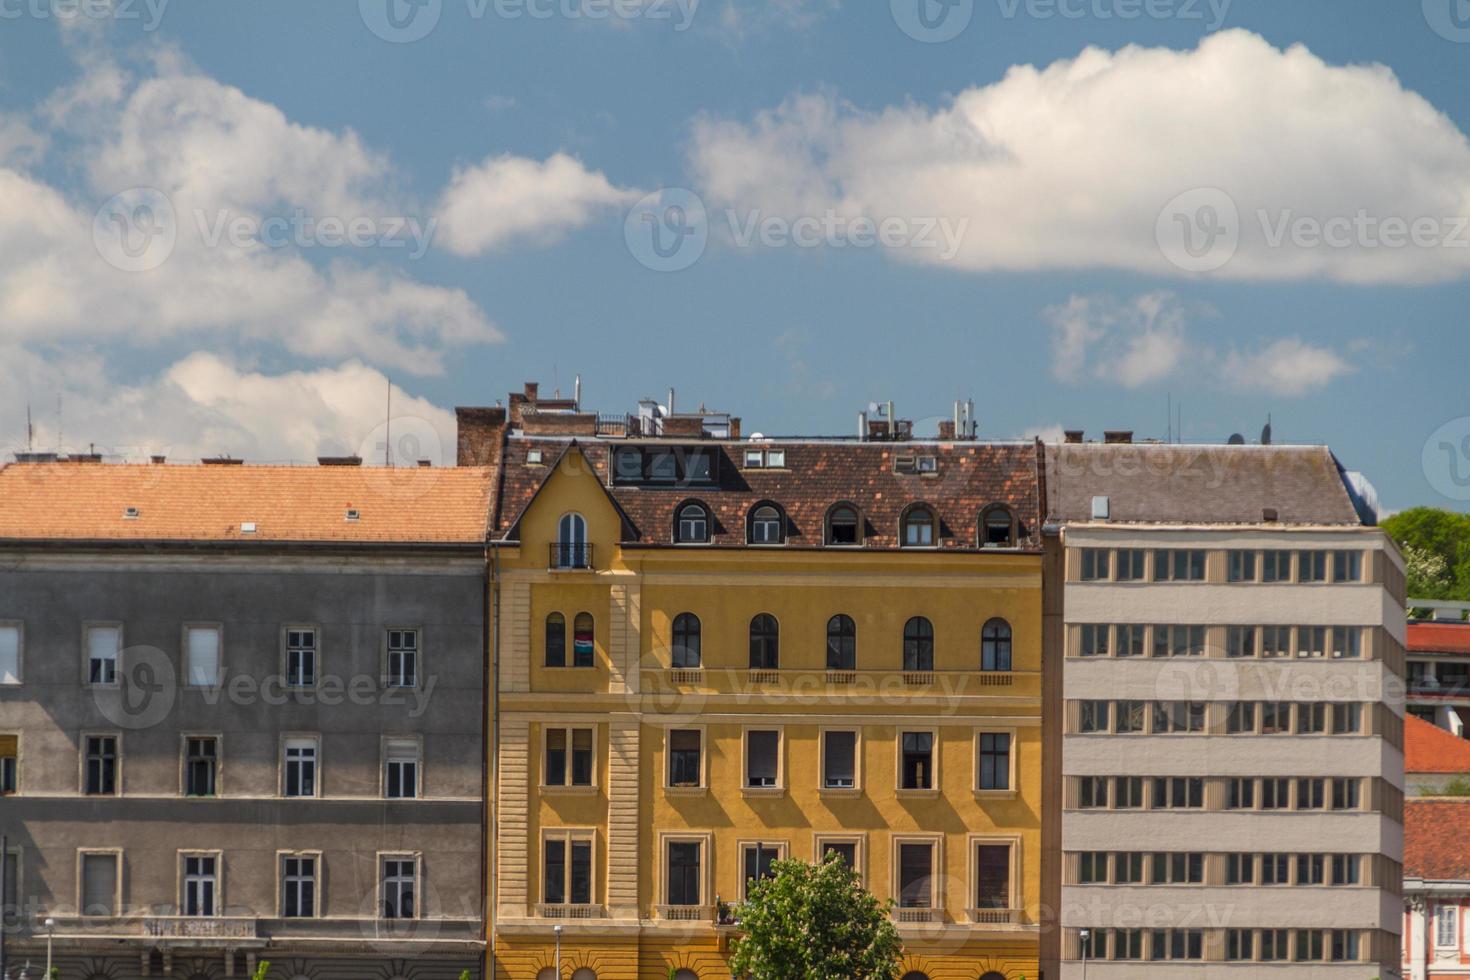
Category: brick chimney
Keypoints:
(946, 430)
(481, 435)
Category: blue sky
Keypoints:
(529, 141)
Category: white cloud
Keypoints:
(1071, 165)
(1148, 339)
(507, 198)
(205, 405)
(1050, 433)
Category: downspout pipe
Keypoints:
(493, 749)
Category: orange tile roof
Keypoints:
(1429, 748)
(1439, 638)
(175, 502)
(1437, 839)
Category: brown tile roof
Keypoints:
(1437, 839)
(1429, 748)
(1439, 637)
(817, 475)
(1152, 483)
(175, 502)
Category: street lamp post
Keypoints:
(1085, 934)
(50, 931)
(557, 930)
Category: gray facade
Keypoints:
(352, 710)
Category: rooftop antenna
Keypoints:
(59, 441)
(30, 430)
(388, 432)
(1169, 416)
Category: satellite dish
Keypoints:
(1237, 440)
(1266, 432)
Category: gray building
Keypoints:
(1225, 720)
(242, 718)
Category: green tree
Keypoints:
(1436, 545)
(815, 922)
(261, 969)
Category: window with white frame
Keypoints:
(686, 758)
(401, 757)
(993, 765)
(201, 885)
(757, 861)
(916, 761)
(298, 886)
(400, 887)
(301, 657)
(992, 875)
(202, 652)
(762, 759)
(839, 759)
(1347, 566)
(98, 880)
(1446, 927)
(848, 849)
(300, 766)
(566, 867)
(684, 873)
(403, 658)
(103, 646)
(916, 861)
(9, 768)
(201, 765)
(10, 634)
(569, 757)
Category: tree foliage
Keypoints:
(1436, 546)
(815, 922)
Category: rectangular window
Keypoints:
(103, 644)
(1276, 641)
(9, 653)
(1311, 719)
(1240, 944)
(1275, 794)
(1240, 869)
(1178, 869)
(1346, 642)
(1179, 717)
(1094, 640)
(1311, 566)
(1132, 716)
(1127, 944)
(1311, 869)
(993, 876)
(1276, 566)
(1129, 640)
(9, 764)
(300, 777)
(1177, 944)
(301, 650)
(1275, 718)
(1346, 946)
(1347, 566)
(298, 887)
(686, 770)
(1128, 868)
(202, 650)
(1128, 793)
(1130, 564)
(1092, 868)
(99, 884)
(1274, 945)
(1093, 717)
(403, 658)
(1311, 642)
(1275, 869)
(1092, 793)
(1347, 794)
(685, 881)
(918, 760)
(1240, 641)
(839, 760)
(1446, 927)
(1179, 565)
(995, 761)
(756, 860)
(201, 766)
(916, 875)
(569, 757)
(1179, 793)
(401, 768)
(1240, 794)
(1347, 718)
(1095, 564)
(1345, 870)
(101, 765)
(846, 850)
(566, 877)
(400, 888)
(1241, 718)
(1310, 946)
(1179, 641)
(201, 885)
(1241, 566)
(762, 759)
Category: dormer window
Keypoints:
(691, 526)
(353, 514)
(533, 457)
(767, 525)
(843, 526)
(919, 528)
(571, 549)
(131, 513)
(997, 527)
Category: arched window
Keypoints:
(556, 640)
(571, 549)
(547, 973)
(692, 525)
(995, 645)
(583, 641)
(767, 525)
(918, 644)
(844, 526)
(919, 528)
(841, 643)
(997, 527)
(585, 973)
(765, 643)
(686, 974)
(686, 641)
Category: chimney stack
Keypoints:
(1074, 436)
(1118, 437)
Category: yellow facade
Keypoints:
(631, 700)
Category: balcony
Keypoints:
(917, 916)
(566, 557)
(686, 913)
(997, 917)
(571, 911)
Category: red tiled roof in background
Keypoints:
(178, 502)
(1430, 749)
(1437, 839)
(970, 477)
(1439, 637)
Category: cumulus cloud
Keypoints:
(508, 198)
(1148, 339)
(1072, 165)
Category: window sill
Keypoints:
(841, 792)
(769, 792)
(686, 791)
(568, 790)
(996, 794)
(918, 794)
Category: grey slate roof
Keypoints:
(1167, 484)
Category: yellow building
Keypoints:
(714, 652)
